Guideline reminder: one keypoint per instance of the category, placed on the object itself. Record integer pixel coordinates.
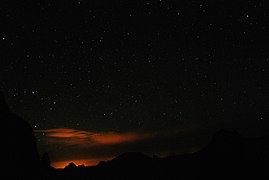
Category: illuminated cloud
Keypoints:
(72, 137)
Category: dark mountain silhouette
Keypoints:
(19, 152)
(231, 154)
(228, 156)
(71, 167)
(134, 158)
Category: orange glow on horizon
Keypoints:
(77, 140)
(77, 162)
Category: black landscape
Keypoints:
(227, 156)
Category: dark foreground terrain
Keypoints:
(227, 156)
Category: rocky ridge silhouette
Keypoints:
(228, 155)
(20, 157)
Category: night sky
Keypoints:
(98, 78)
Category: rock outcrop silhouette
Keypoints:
(71, 167)
(45, 160)
(19, 152)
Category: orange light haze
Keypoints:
(85, 162)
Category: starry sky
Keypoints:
(97, 78)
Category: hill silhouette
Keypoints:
(19, 154)
(228, 156)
